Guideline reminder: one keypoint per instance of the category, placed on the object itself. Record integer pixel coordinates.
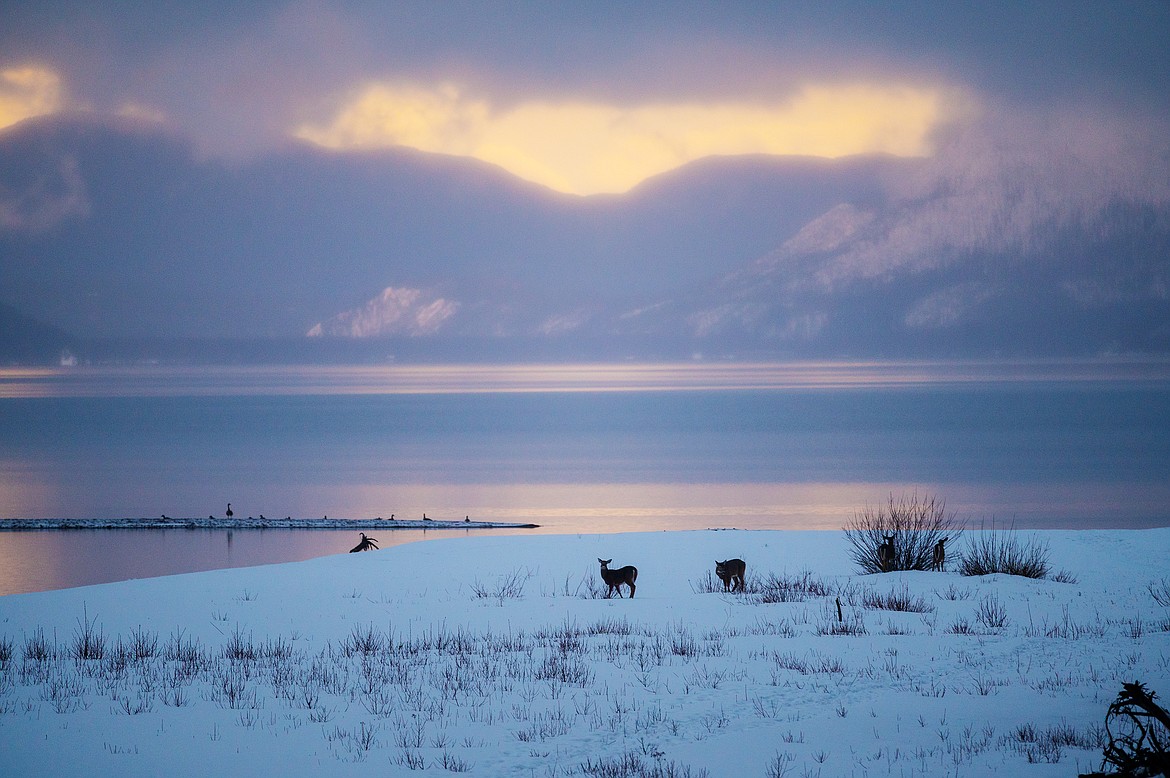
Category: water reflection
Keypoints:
(203, 381)
(36, 561)
(45, 560)
(574, 448)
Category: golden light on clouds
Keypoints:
(142, 113)
(26, 92)
(588, 148)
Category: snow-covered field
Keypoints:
(498, 656)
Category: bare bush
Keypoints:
(991, 613)
(798, 587)
(896, 600)
(1160, 591)
(508, 586)
(1003, 551)
(37, 647)
(89, 642)
(916, 523)
(632, 765)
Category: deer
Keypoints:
(940, 555)
(886, 554)
(731, 572)
(615, 578)
(365, 545)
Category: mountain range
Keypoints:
(119, 239)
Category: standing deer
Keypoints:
(940, 555)
(731, 572)
(886, 554)
(615, 578)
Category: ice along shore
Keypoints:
(169, 522)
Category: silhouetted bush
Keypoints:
(917, 525)
(1003, 551)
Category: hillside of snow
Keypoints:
(500, 656)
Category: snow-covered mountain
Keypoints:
(396, 311)
(115, 232)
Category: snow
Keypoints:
(491, 656)
(213, 522)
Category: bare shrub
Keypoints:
(779, 766)
(588, 588)
(508, 586)
(185, 650)
(953, 593)
(1160, 591)
(852, 624)
(917, 524)
(143, 644)
(960, 626)
(611, 626)
(240, 648)
(896, 600)
(789, 588)
(89, 642)
(707, 584)
(991, 613)
(1003, 551)
(365, 641)
(453, 764)
(632, 765)
(38, 648)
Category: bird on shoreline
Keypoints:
(229, 513)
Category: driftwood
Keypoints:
(1138, 732)
(365, 545)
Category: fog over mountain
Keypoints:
(116, 232)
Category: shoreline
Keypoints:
(167, 522)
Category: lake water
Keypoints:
(574, 448)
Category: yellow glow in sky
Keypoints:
(588, 148)
(26, 92)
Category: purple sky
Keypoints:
(594, 97)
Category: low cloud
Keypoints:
(52, 195)
(998, 183)
(26, 92)
(583, 147)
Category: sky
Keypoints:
(589, 97)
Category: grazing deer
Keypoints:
(940, 555)
(886, 554)
(730, 572)
(615, 578)
(365, 545)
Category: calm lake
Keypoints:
(574, 448)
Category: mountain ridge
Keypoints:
(122, 232)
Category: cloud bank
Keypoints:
(586, 148)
